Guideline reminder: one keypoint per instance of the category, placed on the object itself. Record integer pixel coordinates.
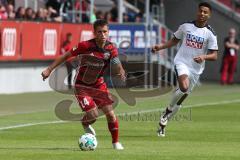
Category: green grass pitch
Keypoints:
(206, 128)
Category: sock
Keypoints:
(175, 103)
(113, 128)
(175, 109)
(177, 98)
(167, 112)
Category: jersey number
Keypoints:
(85, 101)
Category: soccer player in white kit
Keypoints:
(198, 44)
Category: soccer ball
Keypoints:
(87, 142)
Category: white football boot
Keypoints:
(162, 124)
(163, 120)
(117, 146)
(90, 130)
(161, 132)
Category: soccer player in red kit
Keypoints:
(90, 89)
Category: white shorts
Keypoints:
(181, 69)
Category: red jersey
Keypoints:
(93, 61)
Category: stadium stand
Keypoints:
(233, 4)
(35, 18)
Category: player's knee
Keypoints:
(184, 88)
(184, 83)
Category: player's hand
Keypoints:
(199, 59)
(45, 74)
(122, 76)
(155, 48)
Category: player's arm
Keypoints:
(82, 47)
(177, 36)
(172, 42)
(210, 56)
(117, 68)
(231, 45)
(56, 62)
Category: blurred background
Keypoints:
(35, 32)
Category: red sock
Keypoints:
(113, 128)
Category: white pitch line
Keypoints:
(186, 106)
(131, 113)
(27, 112)
(30, 124)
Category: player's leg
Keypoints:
(91, 113)
(232, 69)
(178, 96)
(104, 101)
(175, 104)
(224, 70)
(186, 86)
(113, 126)
(88, 119)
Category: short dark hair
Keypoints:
(205, 4)
(69, 34)
(99, 22)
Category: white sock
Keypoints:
(175, 109)
(177, 95)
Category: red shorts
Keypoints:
(90, 97)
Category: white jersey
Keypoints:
(195, 41)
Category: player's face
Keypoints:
(203, 14)
(69, 38)
(232, 32)
(101, 33)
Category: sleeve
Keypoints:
(114, 56)
(179, 33)
(212, 42)
(114, 52)
(81, 48)
(115, 60)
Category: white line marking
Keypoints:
(131, 113)
(26, 112)
(187, 106)
(30, 124)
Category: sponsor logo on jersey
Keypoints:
(106, 55)
(194, 41)
(94, 64)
